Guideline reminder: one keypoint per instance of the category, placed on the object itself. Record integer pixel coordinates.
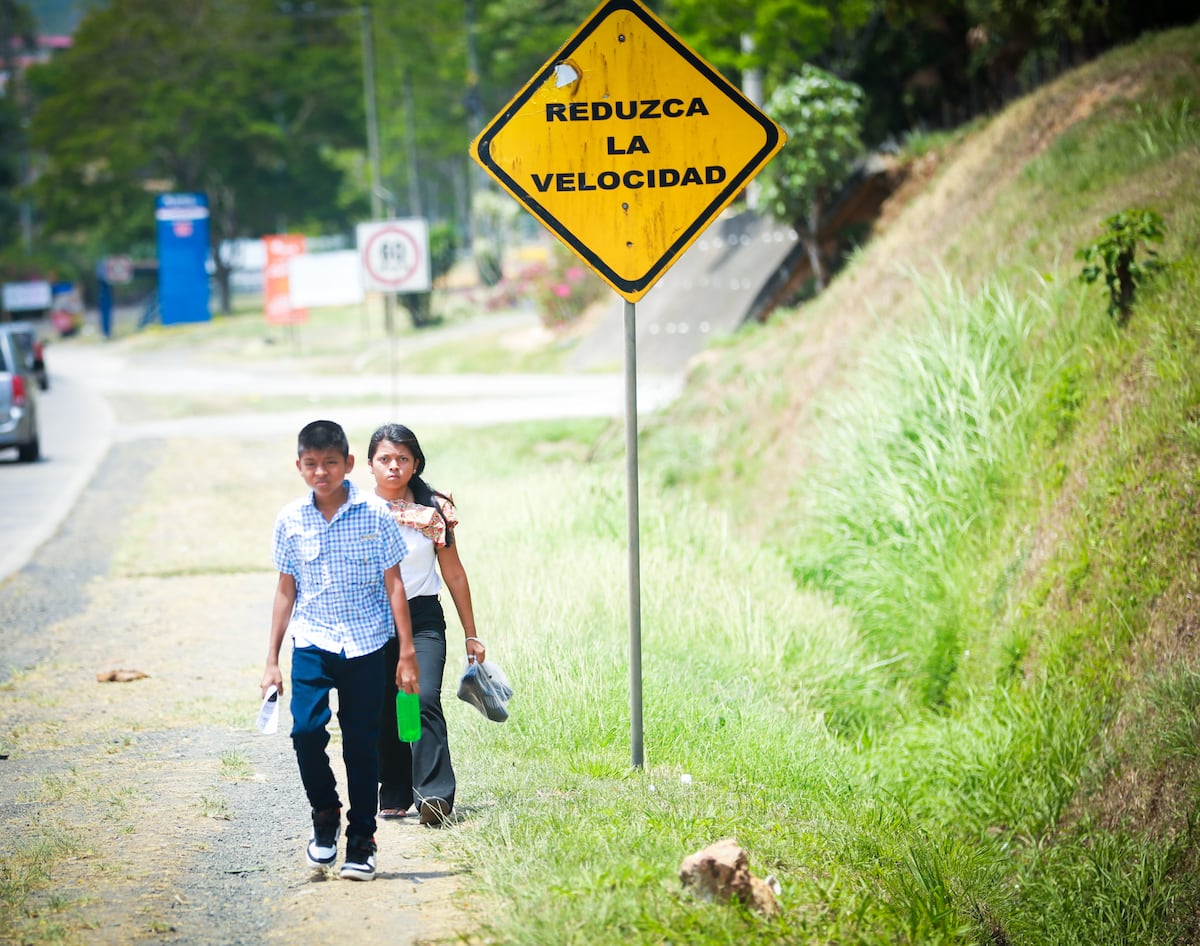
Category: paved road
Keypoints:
(77, 425)
(76, 428)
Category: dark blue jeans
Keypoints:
(360, 685)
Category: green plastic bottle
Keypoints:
(408, 716)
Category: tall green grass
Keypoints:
(917, 459)
(927, 707)
(569, 845)
(573, 846)
(803, 713)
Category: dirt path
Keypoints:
(150, 810)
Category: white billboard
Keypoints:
(26, 296)
(325, 279)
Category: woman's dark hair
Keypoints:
(423, 493)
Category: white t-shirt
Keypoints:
(424, 533)
(419, 567)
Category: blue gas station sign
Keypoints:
(182, 222)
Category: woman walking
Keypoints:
(420, 775)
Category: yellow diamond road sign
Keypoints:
(626, 145)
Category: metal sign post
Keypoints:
(633, 529)
(626, 145)
(395, 258)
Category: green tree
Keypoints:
(942, 61)
(16, 40)
(431, 104)
(227, 97)
(782, 34)
(12, 146)
(821, 115)
(516, 38)
(421, 81)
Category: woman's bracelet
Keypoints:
(477, 641)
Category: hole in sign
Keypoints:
(564, 74)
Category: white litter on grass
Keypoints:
(685, 779)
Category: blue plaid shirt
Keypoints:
(341, 603)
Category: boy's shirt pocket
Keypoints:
(361, 560)
(304, 550)
(306, 547)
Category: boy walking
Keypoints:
(339, 592)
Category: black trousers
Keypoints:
(411, 772)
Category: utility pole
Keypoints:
(371, 107)
(410, 125)
(476, 179)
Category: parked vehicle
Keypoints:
(35, 350)
(18, 398)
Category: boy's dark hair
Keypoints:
(322, 435)
(423, 493)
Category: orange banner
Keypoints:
(277, 302)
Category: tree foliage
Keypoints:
(782, 34)
(920, 63)
(431, 102)
(16, 40)
(12, 146)
(516, 38)
(822, 117)
(259, 103)
(421, 76)
(227, 97)
(941, 62)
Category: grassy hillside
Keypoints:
(1000, 486)
(919, 581)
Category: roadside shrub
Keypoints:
(1113, 257)
(443, 248)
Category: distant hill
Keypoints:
(58, 17)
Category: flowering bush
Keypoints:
(562, 288)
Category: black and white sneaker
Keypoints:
(360, 859)
(322, 846)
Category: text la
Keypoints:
(636, 146)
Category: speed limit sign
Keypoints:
(395, 255)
